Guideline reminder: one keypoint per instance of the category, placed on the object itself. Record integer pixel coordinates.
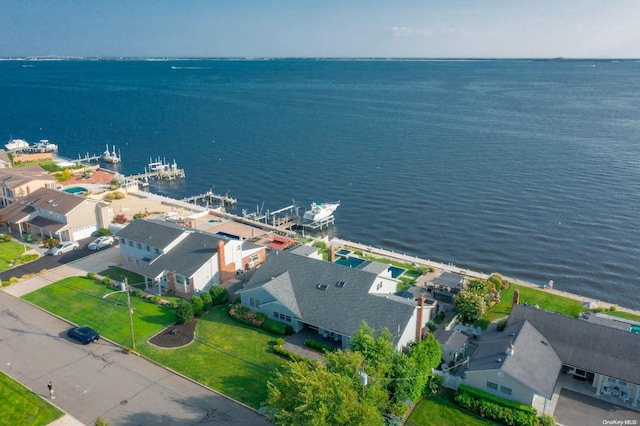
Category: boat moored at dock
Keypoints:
(320, 211)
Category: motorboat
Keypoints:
(17, 145)
(320, 211)
(44, 146)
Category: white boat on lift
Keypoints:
(44, 146)
(320, 211)
(17, 145)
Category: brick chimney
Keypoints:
(516, 298)
(226, 272)
(419, 323)
(332, 254)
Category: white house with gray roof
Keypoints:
(185, 260)
(331, 299)
(523, 363)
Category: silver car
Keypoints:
(101, 242)
(64, 247)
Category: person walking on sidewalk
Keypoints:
(50, 386)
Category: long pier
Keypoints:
(209, 197)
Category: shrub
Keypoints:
(546, 420)
(91, 275)
(237, 300)
(184, 312)
(43, 271)
(136, 292)
(280, 341)
(50, 242)
(612, 308)
(207, 300)
(103, 232)
(318, 345)
(501, 324)
(432, 326)
(13, 280)
(219, 295)
(120, 219)
(170, 305)
(287, 354)
(198, 305)
(494, 410)
(106, 281)
(274, 326)
(246, 315)
(438, 319)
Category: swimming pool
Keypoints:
(343, 252)
(395, 271)
(76, 190)
(351, 262)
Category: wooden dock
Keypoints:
(159, 170)
(209, 199)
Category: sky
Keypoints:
(332, 28)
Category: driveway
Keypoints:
(50, 262)
(576, 409)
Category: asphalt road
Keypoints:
(99, 380)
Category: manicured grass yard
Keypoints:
(228, 356)
(544, 299)
(440, 410)
(9, 252)
(117, 274)
(20, 406)
(79, 300)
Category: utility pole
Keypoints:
(126, 288)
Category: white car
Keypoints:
(101, 242)
(64, 247)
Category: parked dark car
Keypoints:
(84, 335)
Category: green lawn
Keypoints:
(21, 407)
(228, 356)
(79, 300)
(117, 274)
(10, 251)
(533, 296)
(440, 410)
(625, 315)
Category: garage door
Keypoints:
(82, 233)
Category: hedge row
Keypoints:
(494, 411)
(498, 400)
(318, 345)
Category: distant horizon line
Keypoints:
(269, 58)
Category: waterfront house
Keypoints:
(332, 299)
(184, 260)
(537, 350)
(16, 183)
(48, 213)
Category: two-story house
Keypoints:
(16, 183)
(48, 213)
(184, 260)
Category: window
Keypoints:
(254, 258)
(180, 279)
(254, 303)
(148, 249)
(492, 386)
(283, 317)
(505, 390)
(139, 246)
(130, 243)
(379, 285)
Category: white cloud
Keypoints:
(409, 32)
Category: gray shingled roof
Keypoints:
(452, 338)
(304, 250)
(196, 249)
(585, 345)
(14, 177)
(45, 199)
(188, 255)
(294, 280)
(533, 363)
(154, 233)
(448, 279)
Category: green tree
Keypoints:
(184, 312)
(470, 306)
(206, 300)
(307, 393)
(219, 294)
(376, 348)
(198, 305)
